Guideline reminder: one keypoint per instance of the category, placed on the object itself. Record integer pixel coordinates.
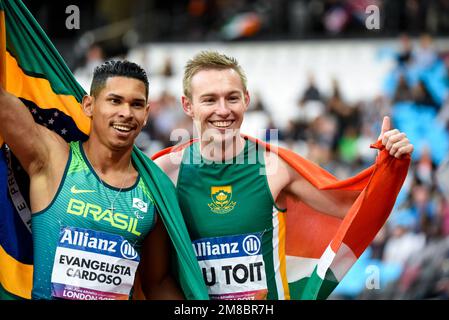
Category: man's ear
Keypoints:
(147, 113)
(247, 99)
(88, 105)
(187, 106)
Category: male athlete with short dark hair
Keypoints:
(92, 215)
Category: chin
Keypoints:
(219, 135)
(120, 145)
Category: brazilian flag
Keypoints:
(33, 70)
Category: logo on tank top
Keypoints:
(221, 199)
(141, 206)
(74, 190)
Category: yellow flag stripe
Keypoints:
(15, 277)
(282, 257)
(2, 49)
(40, 92)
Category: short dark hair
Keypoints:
(117, 68)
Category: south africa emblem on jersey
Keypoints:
(221, 199)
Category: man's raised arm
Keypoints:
(32, 143)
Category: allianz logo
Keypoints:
(251, 246)
(86, 240)
(127, 250)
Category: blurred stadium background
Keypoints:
(320, 76)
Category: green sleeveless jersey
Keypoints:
(237, 231)
(84, 249)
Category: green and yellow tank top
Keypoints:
(238, 233)
(83, 248)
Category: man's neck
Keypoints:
(104, 160)
(222, 150)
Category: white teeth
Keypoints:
(121, 128)
(221, 124)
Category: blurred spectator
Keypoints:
(403, 92)
(321, 135)
(425, 274)
(167, 68)
(403, 242)
(357, 9)
(422, 96)
(439, 16)
(421, 211)
(443, 210)
(415, 15)
(323, 130)
(336, 17)
(424, 56)
(94, 57)
(311, 92)
(319, 152)
(424, 207)
(365, 154)
(166, 114)
(443, 114)
(442, 180)
(310, 106)
(344, 114)
(257, 118)
(425, 168)
(306, 113)
(347, 146)
(293, 132)
(404, 56)
(378, 244)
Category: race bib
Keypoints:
(93, 265)
(233, 266)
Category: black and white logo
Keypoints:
(251, 245)
(127, 250)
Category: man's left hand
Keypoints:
(395, 142)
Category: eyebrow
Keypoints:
(214, 94)
(116, 96)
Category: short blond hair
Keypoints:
(207, 60)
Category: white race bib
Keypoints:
(233, 266)
(93, 265)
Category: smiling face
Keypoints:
(217, 104)
(118, 112)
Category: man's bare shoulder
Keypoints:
(170, 162)
(274, 164)
(279, 173)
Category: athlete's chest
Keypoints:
(216, 201)
(130, 212)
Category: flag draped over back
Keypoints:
(32, 69)
(320, 249)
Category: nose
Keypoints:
(125, 111)
(222, 109)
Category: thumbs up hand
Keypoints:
(395, 142)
